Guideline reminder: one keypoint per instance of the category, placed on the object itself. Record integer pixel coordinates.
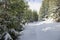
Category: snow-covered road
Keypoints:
(41, 31)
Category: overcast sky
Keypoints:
(34, 4)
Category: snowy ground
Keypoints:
(45, 30)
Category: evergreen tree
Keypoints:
(11, 14)
(35, 16)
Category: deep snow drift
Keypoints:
(46, 30)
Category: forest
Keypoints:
(50, 9)
(13, 15)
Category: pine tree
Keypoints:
(11, 14)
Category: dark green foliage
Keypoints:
(12, 12)
(31, 16)
(35, 16)
(11, 15)
(28, 15)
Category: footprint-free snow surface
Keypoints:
(41, 31)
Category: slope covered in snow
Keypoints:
(45, 30)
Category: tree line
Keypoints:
(13, 15)
(50, 9)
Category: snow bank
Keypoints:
(7, 37)
(45, 30)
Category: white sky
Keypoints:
(34, 4)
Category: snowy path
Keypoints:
(41, 31)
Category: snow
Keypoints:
(45, 30)
(7, 36)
